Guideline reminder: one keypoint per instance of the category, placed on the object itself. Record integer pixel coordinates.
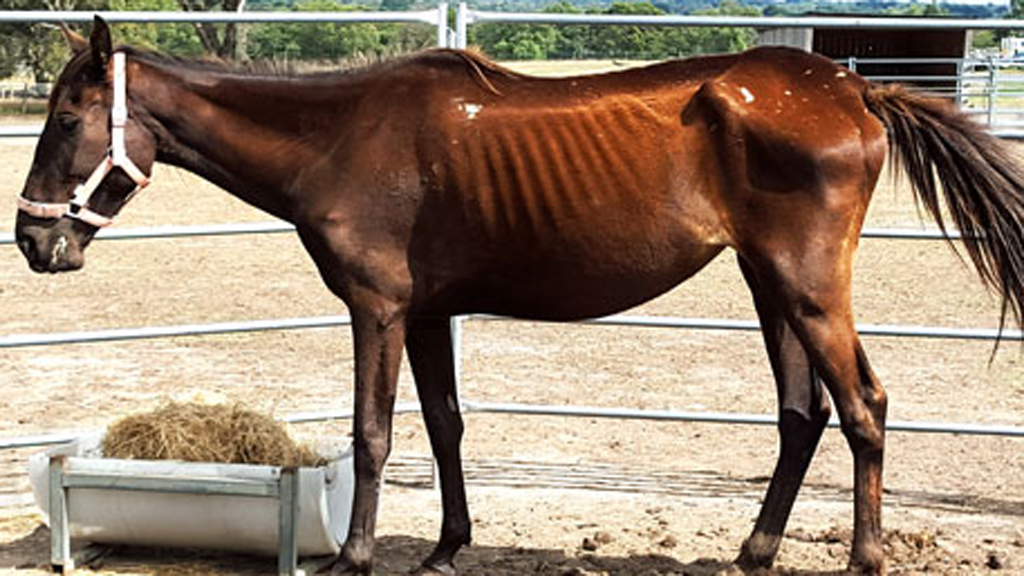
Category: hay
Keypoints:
(206, 433)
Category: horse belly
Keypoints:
(588, 287)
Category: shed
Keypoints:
(867, 49)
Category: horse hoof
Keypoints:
(867, 561)
(342, 567)
(862, 569)
(758, 552)
(447, 569)
(736, 570)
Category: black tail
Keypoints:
(982, 185)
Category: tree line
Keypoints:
(543, 41)
(38, 49)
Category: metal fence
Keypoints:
(10, 341)
(465, 17)
(990, 88)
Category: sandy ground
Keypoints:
(553, 496)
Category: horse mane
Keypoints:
(259, 67)
(482, 69)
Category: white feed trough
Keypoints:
(151, 517)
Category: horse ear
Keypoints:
(100, 44)
(76, 41)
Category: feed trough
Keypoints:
(231, 507)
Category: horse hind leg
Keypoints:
(428, 343)
(803, 414)
(815, 298)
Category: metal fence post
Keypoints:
(960, 83)
(461, 22)
(456, 330)
(60, 527)
(288, 501)
(442, 25)
(993, 91)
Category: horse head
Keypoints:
(81, 174)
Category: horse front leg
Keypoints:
(379, 332)
(429, 344)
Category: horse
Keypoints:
(440, 183)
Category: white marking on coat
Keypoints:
(60, 248)
(471, 110)
(748, 96)
(841, 74)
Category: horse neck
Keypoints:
(253, 136)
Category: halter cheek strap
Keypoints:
(117, 157)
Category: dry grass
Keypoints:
(195, 432)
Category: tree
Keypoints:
(640, 42)
(396, 5)
(218, 39)
(515, 41)
(531, 41)
(688, 41)
(38, 49)
(173, 38)
(333, 41)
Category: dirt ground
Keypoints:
(551, 496)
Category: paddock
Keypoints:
(550, 495)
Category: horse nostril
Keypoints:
(27, 247)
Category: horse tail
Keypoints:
(982, 186)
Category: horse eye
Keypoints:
(68, 122)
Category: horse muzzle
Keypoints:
(50, 249)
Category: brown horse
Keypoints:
(442, 184)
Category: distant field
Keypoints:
(571, 67)
(17, 108)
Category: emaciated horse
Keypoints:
(442, 184)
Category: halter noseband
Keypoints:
(117, 157)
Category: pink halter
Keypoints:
(117, 157)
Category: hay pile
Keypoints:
(206, 433)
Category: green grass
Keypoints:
(19, 108)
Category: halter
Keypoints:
(117, 157)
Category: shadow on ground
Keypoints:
(397, 555)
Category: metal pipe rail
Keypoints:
(152, 332)
(725, 418)
(184, 231)
(431, 16)
(277, 227)
(729, 325)
(475, 407)
(485, 16)
(40, 440)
